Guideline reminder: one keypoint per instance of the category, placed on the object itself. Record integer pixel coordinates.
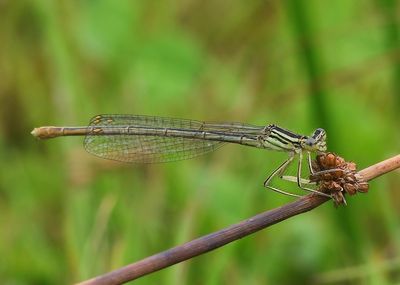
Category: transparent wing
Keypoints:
(155, 148)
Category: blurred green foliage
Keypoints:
(67, 216)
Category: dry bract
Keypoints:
(337, 177)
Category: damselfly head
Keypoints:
(315, 142)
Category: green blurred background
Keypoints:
(67, 216)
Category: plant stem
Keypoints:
(222, 237)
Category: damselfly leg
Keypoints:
(278, 172)
(297, 179)
(337, 171)
(299, 176)
(302, 180)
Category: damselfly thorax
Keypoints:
(151, 139)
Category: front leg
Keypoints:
(299, 179)
(310, 163)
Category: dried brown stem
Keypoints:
(380, 168)
(222, 237)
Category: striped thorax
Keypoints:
(280, 139)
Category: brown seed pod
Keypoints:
(329, 161)
(339, 161)
(350, 188)
(338, 199)
(351, 166)
(350, 178)
(337, 177)
(337, 174)
(363, 187)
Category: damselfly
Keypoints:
(151, 139)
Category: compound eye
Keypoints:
(318, 134)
